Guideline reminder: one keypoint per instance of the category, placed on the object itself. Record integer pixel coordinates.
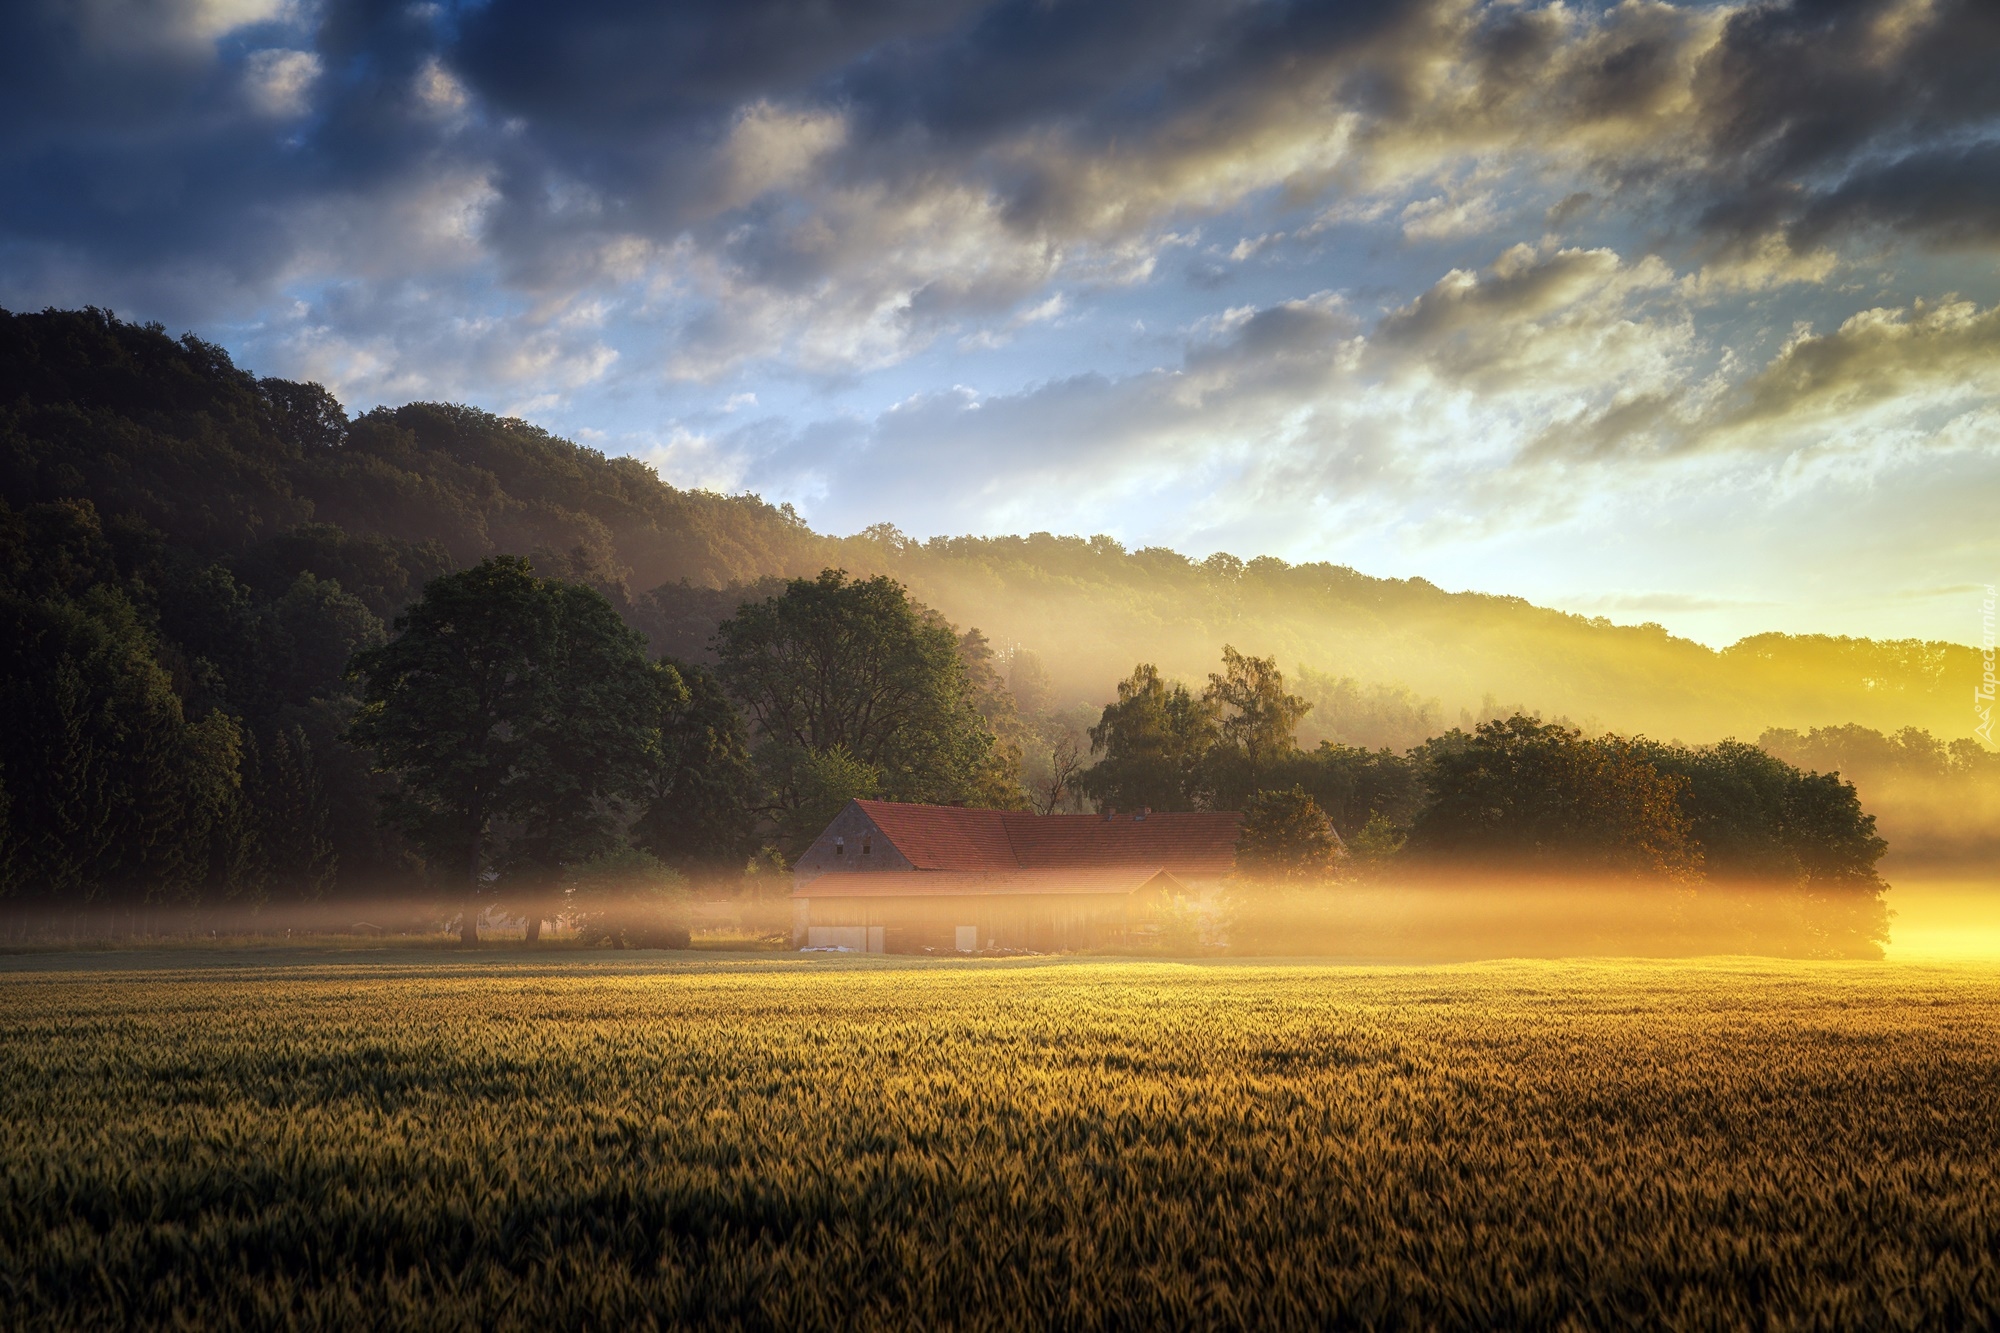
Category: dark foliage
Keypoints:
(1286, 839)
(853, 669)
(698, 806)
(505, 696)
(1757, 817)
(1526, 793)
(1155, 741)
(191, 554)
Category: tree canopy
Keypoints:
(503, 695)
(1525, 793)
(1154, 742)
(853, 667)
(1286, 839)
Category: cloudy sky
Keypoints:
(1677, 312)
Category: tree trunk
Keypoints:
(468, 921)
(534, 926)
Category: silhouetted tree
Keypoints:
(698, 803)
(1154, 739)
(1757, 817)
(590, 738)
(1525, 793)
(443, 707)
(505, 696)
(1258, 724)
(1286, 839)
(855, 668)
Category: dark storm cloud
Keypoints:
(167, 153)
(938, 156)
(1825, 116)
(1948, 197)
(630, 68)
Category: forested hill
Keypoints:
(193, 465)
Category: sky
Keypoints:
(1685, 313)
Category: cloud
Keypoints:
(1301, 410)
(279, 82)
(1926, 356)
(1811, 110)
(834, 189)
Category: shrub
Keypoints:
(1286, 838)
(629, 900)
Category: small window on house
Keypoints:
(840, 846)
(866, 847)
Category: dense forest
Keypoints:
(192, 558)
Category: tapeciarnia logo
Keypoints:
(1982, 694)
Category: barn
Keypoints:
(892, 877)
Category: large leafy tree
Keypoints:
(1259, 721)
(1154, 739)
(698, 801)
(443, 704)
(590, 738)
(503, 696)
(1758, 817)
(1524, 792)
(855, 667)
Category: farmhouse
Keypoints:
(887, 877)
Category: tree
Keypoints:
(1058, 788)
(116, 794)
(1525, 793)
(1760, 818)
(999, 783)
(1258, 723)
(1154, 739)
(443, 705)
(591, 737)
(817, 785)
(697, 804)
(1353, 786)
(505, 696)
(832, 666)
(1286, 839)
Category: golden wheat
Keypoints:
(400, 1140)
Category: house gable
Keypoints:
(853, 841)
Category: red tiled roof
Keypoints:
(971, 883)
(945, 837)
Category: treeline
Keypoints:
(531, 739)
(1511, 794)
(1938, 801)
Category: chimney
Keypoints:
(1144, 811)
(1110, 812)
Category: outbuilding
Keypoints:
(892, 877)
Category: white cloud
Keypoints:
(280, 83)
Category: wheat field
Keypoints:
(406, 1139)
